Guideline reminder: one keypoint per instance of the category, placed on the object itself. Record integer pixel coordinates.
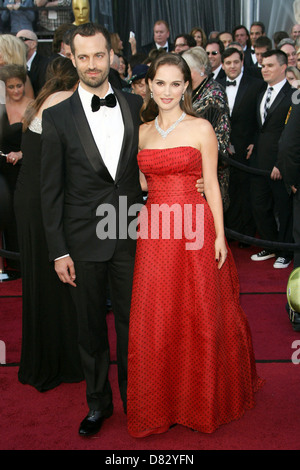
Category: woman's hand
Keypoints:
(220, 251)
(14, 157)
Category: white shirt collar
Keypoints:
(29, 62)
(278, 86)
(166, 45)
(86, 96)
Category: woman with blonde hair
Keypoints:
(13, 51)
(293, 76)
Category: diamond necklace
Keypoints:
(165, 133)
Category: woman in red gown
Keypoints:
(191, 359)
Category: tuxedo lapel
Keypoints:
(240, 93)
(128, 134)
(86, 138)
(281, 95)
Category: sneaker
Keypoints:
(281, 263)
(262, 256)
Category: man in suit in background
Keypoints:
(257, 30)
(241, 34)
(89, 172)
(36, 63)
(214, 49)
(269, 195)
(161, 38)
(289, 165)
(242, 92)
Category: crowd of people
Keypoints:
(73, 143)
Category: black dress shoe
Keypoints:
(93, 421)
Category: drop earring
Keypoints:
(151, 95)
(182, 98)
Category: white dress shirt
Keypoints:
(107, 128)
(276, 90)
(29, 62)
(231, 91)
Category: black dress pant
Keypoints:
(296, 227)
(272, 203)
(90, 297)
(239, 216)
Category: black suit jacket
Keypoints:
(75, 180)
(243, 117)
(266, 150)
(146, 49)
(289, 149)
(37, 72)
(221, 76)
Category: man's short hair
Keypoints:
(281, 56)
(232, 50)
(263, 41)
(88, 30)
(189, 39)
(260, 24)
(216, 41)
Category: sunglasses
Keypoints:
(212, 53)
(24, 39)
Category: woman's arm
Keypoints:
(209, 152)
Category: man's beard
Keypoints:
(93, 82)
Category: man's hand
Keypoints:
(294, 190)
(276, 175)
(64, 268)
(200, 185)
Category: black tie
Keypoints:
(109, 101)
(230, 83)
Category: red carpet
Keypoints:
(31, 420)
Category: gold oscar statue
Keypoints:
(81, 10)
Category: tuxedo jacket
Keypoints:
(221, 76)
(75, 181)
(243, 117)
(37, 72)
(266, 149)
(289, 149)
(148, 47)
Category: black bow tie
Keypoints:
(252, 51)
(109, 101)
(230, 83)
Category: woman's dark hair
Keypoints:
(61, 75)
(149, 109)
(13, 71)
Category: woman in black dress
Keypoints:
(49, 338)
(12, 113)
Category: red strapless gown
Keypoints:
(191, 360)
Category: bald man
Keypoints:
(36, 63)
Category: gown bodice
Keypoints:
(171, 173)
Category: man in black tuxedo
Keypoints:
(89, 180)
(214, 49)
(269, 195)
(289, 165)
(161, 38)
(257, 30)
(262, 45)
(242, 92)
(36, 63)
